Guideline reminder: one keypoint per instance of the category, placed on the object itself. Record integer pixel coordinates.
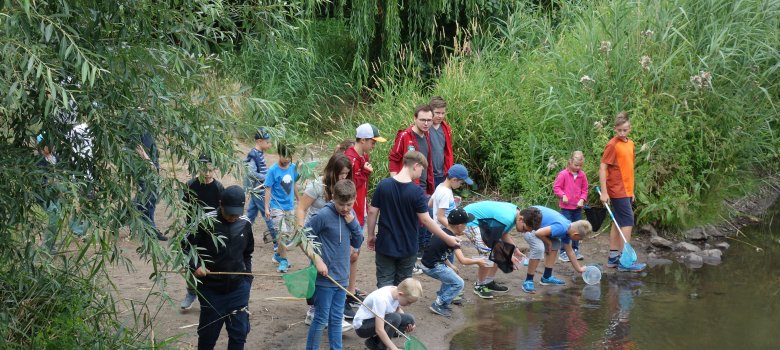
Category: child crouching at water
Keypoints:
(386, 302)
(437, 265)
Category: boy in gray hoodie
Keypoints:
(336, 229)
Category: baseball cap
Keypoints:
(459, 216)
(204, 158)
(459, 172)
(232, 200)
(368, 131)
(262, 133)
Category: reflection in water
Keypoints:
(732, 306)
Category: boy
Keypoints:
(545, 242)
(202, 191)
(147, 196)
(616, 176)
(443, 201)
(256, 173)
(441, 141)
(224, 244)
(404, 208)
(387, 302)
(503, 216)
(436, 262)
(333, 224)
(366, 137)
(280, 200)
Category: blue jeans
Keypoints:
(451, 283)
(572, 215)
(423, 235)
(146, 201)
(328, 309)
(257, 205)
(216, 309)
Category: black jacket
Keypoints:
(225, 247)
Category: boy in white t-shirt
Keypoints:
(442, 201)
(386, 302)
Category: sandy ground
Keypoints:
(278, 323)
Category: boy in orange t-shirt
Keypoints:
(616, 175)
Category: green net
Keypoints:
(414, 344)
(300, 283)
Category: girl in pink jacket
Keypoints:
(571, 186)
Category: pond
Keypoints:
(735, 305)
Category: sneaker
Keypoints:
(578, 254)
(442, 310)
(189, 299)
(636, 267)
(346, 326)
(349, 312)
(528, 287)
(275, 258)
(417, 271)
(496, 288)
(283, 265)
(309, 316)
(552, 281)
(458, 300)
(562, 256)
(276, 247)
(613, 262)
(482, 292)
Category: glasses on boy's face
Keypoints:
(426, 121)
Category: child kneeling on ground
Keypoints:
(436, 262)
(386, 302)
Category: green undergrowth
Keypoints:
(698, 78)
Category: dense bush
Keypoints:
(699, 79)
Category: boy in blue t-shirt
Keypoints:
(555, 231)
(280, 197)
(337, 229)
(436, 263)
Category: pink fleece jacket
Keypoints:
(574, 189)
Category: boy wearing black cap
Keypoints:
(435, 262)
(256, 173)
(225, 244)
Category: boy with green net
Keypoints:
(336, 229)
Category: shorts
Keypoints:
(536, 245)
(474, 236)
(624, 213)
(283, 221)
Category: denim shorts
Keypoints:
(624, 213)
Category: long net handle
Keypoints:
(369, 309)
(612, 217)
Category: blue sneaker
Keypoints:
(552, 281)
(276, 258)
(283, 265)
(562, 256)
(442, 310)
(636, 267)
(613, 262)
(528, 287)
(578, 254)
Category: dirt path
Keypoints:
(279, 323)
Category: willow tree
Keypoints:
(90, 77)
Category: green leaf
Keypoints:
(47, 32)
(84, 72)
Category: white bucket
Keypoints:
(592, 275)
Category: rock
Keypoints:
(715, 231)
(693, 260)
(687, 247)
(723, 245)
(707, 246)
(661, 242)
(696, 234)
(711, 252)
(652, 255)
(649, 230)
(712, 260)
(658, 262)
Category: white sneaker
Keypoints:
(309, 316)
(346, 326)
(186, 304)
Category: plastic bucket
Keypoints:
(592, 275)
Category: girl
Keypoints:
(571, 186)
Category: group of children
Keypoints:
(419, 217)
